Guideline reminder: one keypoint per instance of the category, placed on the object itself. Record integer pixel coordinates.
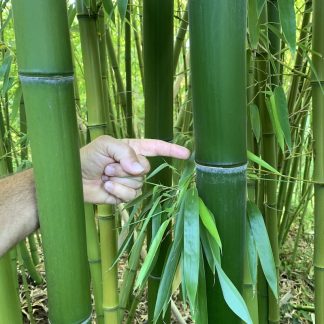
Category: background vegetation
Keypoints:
(135, 74)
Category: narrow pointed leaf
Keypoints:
(122, 7)
(165, 288)
(261, 4)
(254, 26)
(151, 254)
(254, 158)
(191, 244)
(201, 313)
(271, 106)
(282, 111)
(255, 121)
(263, 246)
(252, 255)
(288, 22)
(233, 298)
(207, 219)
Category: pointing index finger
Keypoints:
(153, 147)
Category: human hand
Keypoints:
(113, 170)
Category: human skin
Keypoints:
(113, 171)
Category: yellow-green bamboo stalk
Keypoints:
(97, 126)
(318, 117)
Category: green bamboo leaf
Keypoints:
(261, 4)
(263, 246)
(252, 255)
(288, 22)
(122, 7)
(201, 313)
(165, 288)
(254, 158)
(232, 296)
(254, 26)
(191, 244)
(147, 265)
(255, 121)
(210, 247)
(5, 67)
(16, 103)
(282, 111)
(109, 8)
(271, 106)
(208, 220)
(157, 170)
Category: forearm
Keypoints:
(18, 211)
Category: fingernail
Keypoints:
(108, 185)
(104, 178)
(137, 167)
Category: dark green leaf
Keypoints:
(263, 246)
(232, 297)
(282, 111)
(16, 103)
(261, 4)
(288, 22)
(255, 121)
(191, 244)
(157, 170)
(201, 313)
(109, 8)
(122, 7)
(254, 26)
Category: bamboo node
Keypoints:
(54, 79)
(106, 218)
(110, 309)
(221, 170)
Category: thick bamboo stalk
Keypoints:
(318, 117)
(158, 84)
(45, 67)
(219, 106)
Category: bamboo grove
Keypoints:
(214, 239)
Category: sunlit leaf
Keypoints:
(282, 111)
(207, 219)
(191, 243)
(263, 246)
(254, 158)
(151, 254)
